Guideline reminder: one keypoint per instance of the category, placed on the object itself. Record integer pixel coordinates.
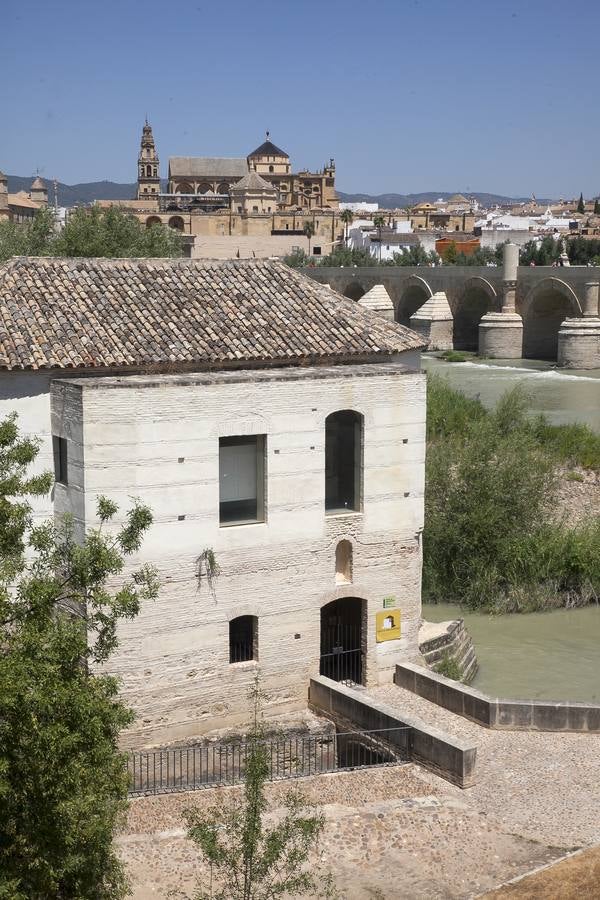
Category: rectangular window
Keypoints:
(242, 479)
(59, 448)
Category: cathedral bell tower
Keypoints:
(148, 182)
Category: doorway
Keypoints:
(342, 646)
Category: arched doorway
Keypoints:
(343, 640)
(473, 304)
(354, 291)
(176, 222)
(546, 308)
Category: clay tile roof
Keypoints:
(38, 184)
(253, 182)
(66, 313)
(268, 148)
(207, 167)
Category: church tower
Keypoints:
(148, 182)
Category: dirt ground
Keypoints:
(576, 878)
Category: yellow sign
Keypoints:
(388, 625)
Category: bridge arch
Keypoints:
(478, 297)
(546, 305)
(354, 290)
(414, 292)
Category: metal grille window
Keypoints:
(243, 639)
(59, 448)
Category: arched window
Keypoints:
(271, 168)
(343, 461)
(243, 639)
(343, 563)
(149, 171)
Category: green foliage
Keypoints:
(413, 256)
(583, 251)
(450, 254)
(543, 254)
(454, 356)
(63, 784)
(248, 859)
(490, 540)
(297, 259)
(88, 232)
(114, 233)
(581, 204)
(344, 256)
(449, 667)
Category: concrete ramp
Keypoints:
(447, 756)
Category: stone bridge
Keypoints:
(543, 296)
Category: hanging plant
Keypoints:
(207, 567)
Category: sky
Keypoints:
(406, 95)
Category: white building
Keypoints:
(259, 415)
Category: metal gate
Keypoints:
(341, 651)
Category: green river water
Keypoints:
(552, 655)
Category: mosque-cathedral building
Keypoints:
(219, 197)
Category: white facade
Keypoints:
(158, 439)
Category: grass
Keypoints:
(456, 356)
(449, 667)
(491, 538)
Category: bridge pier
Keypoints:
(501, 333)
(579, 338)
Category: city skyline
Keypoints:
(416, 96)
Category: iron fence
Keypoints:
(210, 765)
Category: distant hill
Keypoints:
(399, 201)
(77, 194)
(74, 194)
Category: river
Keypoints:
(552, 655)
(564, 397)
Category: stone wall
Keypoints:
(157, 439)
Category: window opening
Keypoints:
(241, 479)
(243, 639)
(343, 461)
(59, 447)
(343, 562)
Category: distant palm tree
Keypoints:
(379, 222)
(309, 231)
(347, 218)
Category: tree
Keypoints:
(249, 860)
(309, 231)
(581, 204)
(296, 259)
(63, 782)
(414, 256)
(89, 231)
(379, 222)
(114, 233)
(347, 217)
(450, 254)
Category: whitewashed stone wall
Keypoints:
(128, 435)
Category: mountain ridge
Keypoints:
(88, 191)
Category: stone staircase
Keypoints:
(440, 640)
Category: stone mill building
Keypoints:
(276, 430)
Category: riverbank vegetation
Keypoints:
(493, 539)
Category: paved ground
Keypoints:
(405, 833)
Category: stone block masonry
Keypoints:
(157, 438)
(508, 715)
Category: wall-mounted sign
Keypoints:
(389, 602)
(387, 625)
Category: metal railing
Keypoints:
(210, 765)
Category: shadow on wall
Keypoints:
(354, 291)
(473, 304)
(541, 324)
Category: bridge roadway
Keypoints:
(545, 296)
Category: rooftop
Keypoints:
(190, 314)
(268, 148)
(208, 166)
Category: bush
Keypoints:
(490, 540)
(449, 667)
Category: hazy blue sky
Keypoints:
(407, 95)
